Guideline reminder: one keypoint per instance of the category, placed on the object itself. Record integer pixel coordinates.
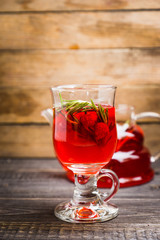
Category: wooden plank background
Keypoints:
(68, 31)
(60, 5)
(45, 43)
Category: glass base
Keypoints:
(100, 212)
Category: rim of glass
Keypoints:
(124, 107)
(82, 87)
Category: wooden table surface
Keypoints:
(31, 188)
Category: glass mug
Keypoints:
(84, 138)
(131, 160)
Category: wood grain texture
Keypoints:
(68, 31)
(110, 66)
(26, 141)
(36, 141)
(21, 105)
(28, 199)
(24, 105)
(23, 231)
(32, 208)
(60, 5)
(44, 179)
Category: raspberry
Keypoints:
(89, 119)
(78, 115)
(101, 130)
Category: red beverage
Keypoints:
(85, 136)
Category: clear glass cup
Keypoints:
(84, 138)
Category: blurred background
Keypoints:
(52, 42)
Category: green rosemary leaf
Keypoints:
(71, 121)
(77, 106)
(73, 108)
(106, 113)
(102, 113)
(76, 119)
(70, 105)
(60, 96)
(81, 106)
(70, 101)
(93, 105)
(87, 108)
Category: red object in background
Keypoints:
(84, 138)
(131, 161)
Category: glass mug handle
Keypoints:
(142, 115)
(115, 184)
(146, 115)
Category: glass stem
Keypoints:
(85, 191)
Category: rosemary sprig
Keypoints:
(74, 106)
(93, 105)
(102, 113)
(106, 113)
(61, 99)
(71, 105)
(77, 107)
